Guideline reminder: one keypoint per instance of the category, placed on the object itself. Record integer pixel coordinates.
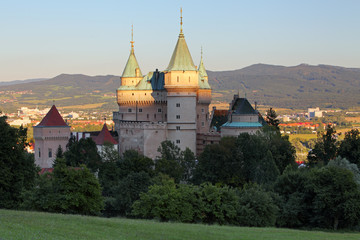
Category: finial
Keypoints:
(132, 37)
(181, 30)
(201, 52)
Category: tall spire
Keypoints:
(202, 70)
(132, 38)
(132, 68)
(181, 23)
(181, 59)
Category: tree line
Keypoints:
(249, 180)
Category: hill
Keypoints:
(36, 225)
(298, 87)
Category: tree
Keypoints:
(66, 190)
(337, 198)
(256, 207)
(325, 148)
(345, 164)
(271, 119)
(83, 151)
(350, 147)
(169, 161)
(17, 168)
(59, 152)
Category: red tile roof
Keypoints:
(104, 136)
(53, 119)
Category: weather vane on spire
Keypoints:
(132, 36)
(181, 30)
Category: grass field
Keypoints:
(35, 225)
(303, 137)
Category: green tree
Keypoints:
(17, 168)
(271, 119)
(350, 147)
(83, 151)
(325, 148)
(345, 164)
(256, 207)
(66, 190)
(59, 152)
(337, 198)
(169, 161)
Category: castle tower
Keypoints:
(49, 134)
(132, 73)
(203, 99)
(181, 84)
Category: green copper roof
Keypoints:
(202, 70)
(203, 84)
(152, 81)
(131, 66)
(242, 125)
(181, 59)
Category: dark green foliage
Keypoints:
(350, 147)
(83, 151)
(174, 162)
(59, 152)
(249, 158)
(66, 190)
(220, 163)
(256, 207)
(271, 119)
(325, 148)
(17, 168)
(295, 205)
(326, 197)
(128, 190)
(337, 198)
(122, 179)
(345, 164)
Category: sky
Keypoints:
(42, 39)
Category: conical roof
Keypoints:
(131, 66)
(181, 59)
(104, 136)
(52, 119)
(202, 70)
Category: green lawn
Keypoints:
(35, 225)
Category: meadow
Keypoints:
(37, 225)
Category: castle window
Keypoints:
(178, 141)
(155, 115)
(159, 110)
(147, 116)
(132, 94)
(189, 79)
(129, 110)
(206, 117)
(177, 116)
(177, 128)
(145, 94)
(39, 153)
(203, 141)
(127, 131)
(178, 79)
(202, 110)
(50, 152)
(178, 105)
(202, 124)
(140, 109)
(165, 115)
(197, 116)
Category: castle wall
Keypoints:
(244, 118)
(47, 141)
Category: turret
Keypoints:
(132, 73)
(202, 70)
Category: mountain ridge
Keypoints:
(298, 86)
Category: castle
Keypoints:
(163, 105)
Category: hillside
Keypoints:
(37, 225)
(300, 86)
(292, 87)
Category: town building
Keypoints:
(172, 104)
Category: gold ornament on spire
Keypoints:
(181, 30)
(132, 37)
